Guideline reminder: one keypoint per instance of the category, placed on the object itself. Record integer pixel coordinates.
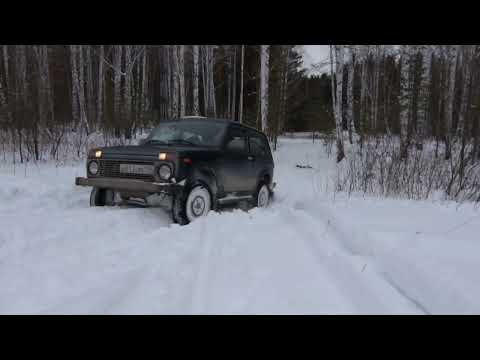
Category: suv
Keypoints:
(198, 163)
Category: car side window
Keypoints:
(236, 142)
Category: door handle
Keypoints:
(251, 158)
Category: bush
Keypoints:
(376, 168)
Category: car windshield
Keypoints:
(188, 133)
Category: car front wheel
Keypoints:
(102, 197)
(197, 203)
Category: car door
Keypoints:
(236, 167)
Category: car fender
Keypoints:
(205, 174)
(261, 176)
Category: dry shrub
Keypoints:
(377, 169)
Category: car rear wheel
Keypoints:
(263, 196)
(102, 197)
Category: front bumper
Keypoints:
(130, 185)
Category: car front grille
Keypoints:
(111, 168)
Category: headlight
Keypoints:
(93, 167)
(165, 172)
(95, 153)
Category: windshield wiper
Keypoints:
(182, 141)
(153, 141)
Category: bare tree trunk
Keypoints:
(363, 93)
(424, 94)
(75, 106)
(101, 82)
(405, 99)
(144, 93)
(175, 78)
(387, 96)
(467, 77)
(376, 95)
(81, 90)
(181, 78)
(229, 83)
(5, 66)
(196, 107)
(283, 93)
(234, 98)
(127, 95)
(240, 104)
(205, 79)
(264, 72)
(212, 107)
(168, 80)
(90, 101)
(350, 95)
(338, 98)
(4, 103)
(117, 83)
(452, 63)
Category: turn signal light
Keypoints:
(187, 161)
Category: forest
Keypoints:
(408, 113)
(53, 96)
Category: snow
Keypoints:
(311, 252)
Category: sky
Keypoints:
(314, 54)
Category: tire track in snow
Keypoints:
(402, 292)
(355, 283)
(199, 293)
(350, 244)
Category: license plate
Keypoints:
(136, 169)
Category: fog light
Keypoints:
(164, 172)
(93, 167)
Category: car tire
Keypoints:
(102, 197)
(191, 205)
(263, 196)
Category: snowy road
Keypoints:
(306, 254)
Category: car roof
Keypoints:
(220, 120)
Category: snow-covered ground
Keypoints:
(310, 253)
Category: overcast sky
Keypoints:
(314, 54)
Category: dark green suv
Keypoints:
(198, 163)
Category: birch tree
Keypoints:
(350, 96)
(425, 81)
(336, 54)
